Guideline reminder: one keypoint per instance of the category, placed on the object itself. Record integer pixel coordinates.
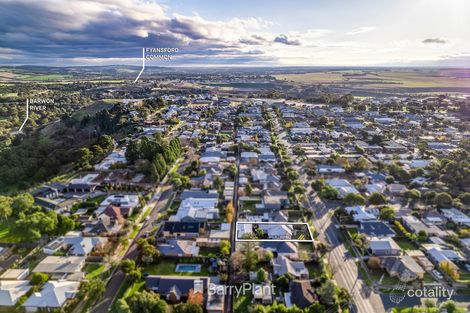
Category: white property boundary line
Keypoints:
(27, 115)
(273, 240)
(143, 66)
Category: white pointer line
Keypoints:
(143, 65)
(27, 115)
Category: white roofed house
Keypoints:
(75, 244)
(282, 265)
(53, 295)
(359, 213)
(12, 290)
(196, 210)
(127, 203)
(342, 186)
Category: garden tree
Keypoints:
(93, 289)
(343, 297)
(248, 189)
(311, 172)
(327, 292)
(322, 248)
(39, 279)
(251, 257)
(323, 120)
(133, 151)
(22, 203)
(83, 157)
(97, 150)
(398, 172)
(147, 302)
(283, 281)
(128, 265)
(413, 194)
(450, 269)
(373, 262)
(187, 308)
(218, 183)
(316, 307)
(387, 213)
(5, 207)
(449, 307)
(105, 142)
(443, 200)
(236, 261)
(422, 236)
(64, 224)
(134, 275)
(464, 197)
(230, 212)
(225, 247)
(268, 256)
(147, 251)
(318, 184)
(261, 275)
(33, 226)
(376, 198)
(354, 199)
(122, 306)
(329, 192)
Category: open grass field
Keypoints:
(45, 77)
(6, 234)
(91, 110)
(403, 78)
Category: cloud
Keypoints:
(84, 29)
(438, 41)
(361, 30)
(286, 41)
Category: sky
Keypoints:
(237, 33)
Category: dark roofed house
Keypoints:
(198, 194)
(281, 247)
(301, 293)
(376, 229)
(183, 229)
(176, 288)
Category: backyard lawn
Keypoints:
(94, 270)
(168, 266)
(405, 244)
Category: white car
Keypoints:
(437, 274)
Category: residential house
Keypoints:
(12, 290)
(183, 229)
(53, 295)
(179, 248)
(405, 268)
(376, 229)
(384, 246)
(301, 294)
(176, 288)
(62, 267)
(282, 265)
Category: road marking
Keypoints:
(27, 115)
(143, 65)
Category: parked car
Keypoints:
(437, 274)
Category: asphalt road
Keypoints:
(346, 273)
(118, 277)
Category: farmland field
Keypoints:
(384, 79)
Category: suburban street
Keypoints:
(163, 194)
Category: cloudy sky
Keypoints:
(237, 33)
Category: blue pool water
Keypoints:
(188, 268)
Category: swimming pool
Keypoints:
(188, 268)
